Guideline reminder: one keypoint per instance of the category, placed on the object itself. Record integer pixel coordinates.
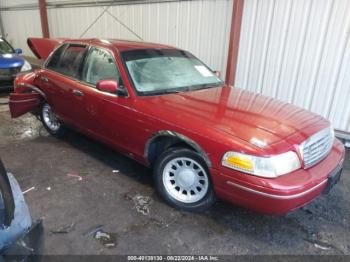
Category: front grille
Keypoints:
(9, 71)
(317, 147)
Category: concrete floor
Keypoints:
(124, 203)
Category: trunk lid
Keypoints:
(42, 47)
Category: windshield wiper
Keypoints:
(169, 92)
(204, 86)
(183, 89)
(161, 92)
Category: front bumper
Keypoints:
(283, 194)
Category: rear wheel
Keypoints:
(182, 179)
(50, 121)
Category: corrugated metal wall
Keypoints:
(200, 26)
(298, 51)
(19, 25)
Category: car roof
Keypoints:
(121, 45)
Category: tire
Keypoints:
(188, 186)
(51, 123)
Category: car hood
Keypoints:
(11, 61)
(259, 120)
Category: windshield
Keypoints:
(5, 47)
(160, 71)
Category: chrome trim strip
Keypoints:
(24, 101)
(34, 88)
(277, 196)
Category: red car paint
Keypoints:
(214, 120)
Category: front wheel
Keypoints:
(50, 121)
(182, 179)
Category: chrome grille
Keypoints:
(9, 71)
(317, 147)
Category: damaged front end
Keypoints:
(20, 238)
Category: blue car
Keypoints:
(11, 63)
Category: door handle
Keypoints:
(45, 79)
(77, 92)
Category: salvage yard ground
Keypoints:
(93, 200)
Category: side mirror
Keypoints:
(217, 73)
(108, 86)
(18, 51)
(112, 87)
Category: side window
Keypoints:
(70, 61)
(99, 65)
(55, 58)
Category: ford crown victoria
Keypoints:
(166, 109)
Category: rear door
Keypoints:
(60, 79)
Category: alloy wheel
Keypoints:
(185, 180)
(50, 118)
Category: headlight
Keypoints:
(262, 166)
(26, 66)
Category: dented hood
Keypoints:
(42, 47)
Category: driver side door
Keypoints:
(99, 64)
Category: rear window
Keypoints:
(55, 58)
(67, 60)
(70, 61)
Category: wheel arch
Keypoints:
(164, 139)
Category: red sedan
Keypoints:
(166, 109)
